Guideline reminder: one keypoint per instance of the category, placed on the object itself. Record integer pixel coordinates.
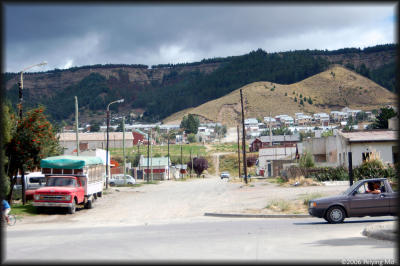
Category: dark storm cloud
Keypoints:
(82, 34)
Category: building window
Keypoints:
(365, 156)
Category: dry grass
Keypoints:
(328, 92)
(301, 181)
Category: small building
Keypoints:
(138, 136)
(94, 140)
(158, 167)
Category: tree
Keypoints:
(5, 127)
(32, 139)
(95, 127)
(251, 160)
(199, 165)
(191, 138)
(382, 118)
(307, 160)
(190, 124)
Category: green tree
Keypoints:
(191, 138)
(190, 124)
(32, 139)
(382, 118)
(310, 101)
(5, 127)
(307, 160)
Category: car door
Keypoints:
(80, 190)
(366, 204)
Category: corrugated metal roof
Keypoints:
(295, 137)
(371, 136)
(95, 136)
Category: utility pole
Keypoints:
(350, 168)
(181, 163)
(20, 88)
(123, 144)
(243, 140)
(151, 154)
(270, 129)
(76, 126)
(238, 148)
(148, 156)
(168, 153)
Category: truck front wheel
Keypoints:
(89, 204)
(72, 209)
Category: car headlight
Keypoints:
(67, 197)
(312, 204)
(36, 196)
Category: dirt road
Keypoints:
(178, 201)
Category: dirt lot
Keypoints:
(179, 201)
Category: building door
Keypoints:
(269, 167)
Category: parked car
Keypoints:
(119, 179)
(225, 175)
(33, 181)
(356, 201)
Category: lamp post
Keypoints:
(108, 125)
(21, 87)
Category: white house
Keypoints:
(335, 149)
(94, 140)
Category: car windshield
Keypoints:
(352, 187)
(60, 182)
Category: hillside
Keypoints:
(162, 90)
(329, 90)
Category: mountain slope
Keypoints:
(330, 90)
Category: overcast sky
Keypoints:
(84, 34)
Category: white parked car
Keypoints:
(225, 175)
(119, 179)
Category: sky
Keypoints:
(74, 34)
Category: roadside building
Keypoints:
(94, 140)
(138, 136)
(156, 166)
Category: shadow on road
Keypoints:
(349, 222)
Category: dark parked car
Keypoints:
(357, 201)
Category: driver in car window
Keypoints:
(373, 188)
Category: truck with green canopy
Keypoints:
(71, 181)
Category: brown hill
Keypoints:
(330, 90)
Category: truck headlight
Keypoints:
(313, 204)
(36, 197)
(67, 197)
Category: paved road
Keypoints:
(166, 222)
(206, 239)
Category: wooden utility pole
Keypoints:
(270, 129)
(148, 156)
(123, 144)
(350, 168)
(76, 126)
(243, 139)
(181, 164)
(168, 153)
(238, 141)
(151, 154)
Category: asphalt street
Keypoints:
(202, 240)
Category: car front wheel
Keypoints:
(335, 215)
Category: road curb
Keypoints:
(384, 231)
(257, 215)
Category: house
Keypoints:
(334, 150)
(302, 119)
(179, 171)
(337, 116)
(285, 120)
(157, 167)
(138, 136)
(322, 119)
(270, 121)
(94, 140)
(277, 140)
(270, 159)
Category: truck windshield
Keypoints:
(60, 182)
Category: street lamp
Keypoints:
(20, 87)
(108, 125)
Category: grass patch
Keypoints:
(20, 210)
(277, 180)
(307, 197)
(279, 205)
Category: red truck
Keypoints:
(70, 181)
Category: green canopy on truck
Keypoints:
(69, 162)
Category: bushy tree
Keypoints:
(32, 139)
(199, 165)
(5, 128)
(190, 124)
(307, 160)
(191, 138)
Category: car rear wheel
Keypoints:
(112, 184)
(335, 215)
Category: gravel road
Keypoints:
(178, 201)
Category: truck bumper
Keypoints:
(52, 204)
